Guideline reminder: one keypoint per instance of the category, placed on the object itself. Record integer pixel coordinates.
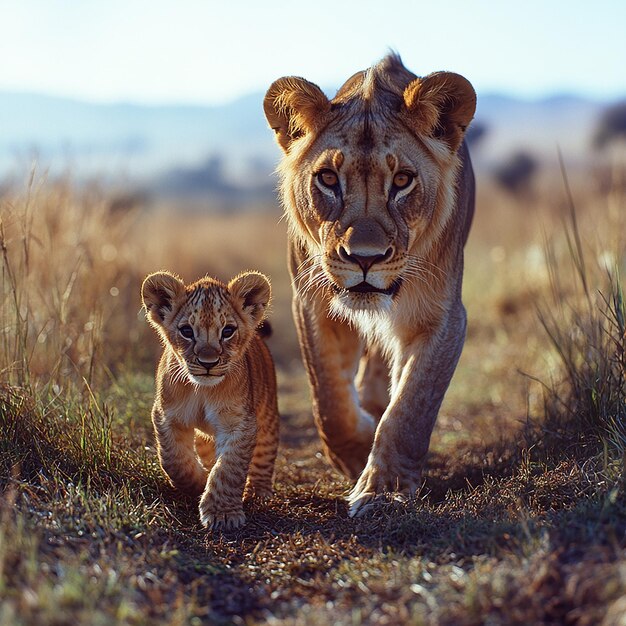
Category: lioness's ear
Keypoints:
(293, 107)
(441, 105)
(158, 294)
(253, 291)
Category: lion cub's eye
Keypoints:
(402, 180)
(228, 331)
(186, 331)
(328, 178)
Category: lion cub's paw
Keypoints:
(222, 520)
(258, 492)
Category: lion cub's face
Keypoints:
(207, 325)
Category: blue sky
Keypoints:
(207, 51)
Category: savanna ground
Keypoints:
(521, 520)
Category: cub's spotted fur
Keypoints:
(215, 414)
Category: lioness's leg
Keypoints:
(331, 351)
(372, 381)
(221, 503)
(419, 382)
(175, 447)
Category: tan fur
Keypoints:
(377, 269)
(215, 414)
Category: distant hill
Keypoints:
(538, 126)
(141, 139)
(148, 143)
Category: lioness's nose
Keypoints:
(364, 261)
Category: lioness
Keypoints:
(378, 189)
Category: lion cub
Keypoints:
(215, 413)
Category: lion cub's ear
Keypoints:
(293, 107)
(253, 293)
(159, 292)
(441, 105)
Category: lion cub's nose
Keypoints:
(364, 261)
(208, 357)
(208, 362)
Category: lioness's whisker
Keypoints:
(307, 266)
(310, 276)
(416, 261)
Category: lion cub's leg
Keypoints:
(261, 472)
(205, 449)
(221, 503)
(175, 447)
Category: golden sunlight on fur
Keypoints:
(378, 190)
(215, 414)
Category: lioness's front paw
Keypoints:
(360, 502)
(219, 517)
(375, 482)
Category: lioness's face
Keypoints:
(208, 325)
(366, 209)
(368, 178)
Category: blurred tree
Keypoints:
(611, 126)
(209, 176)
(475, 133)
(517, 172)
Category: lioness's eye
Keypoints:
(228, 331)
(186, 331)
(328, 178)
(402, 180)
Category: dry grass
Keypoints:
(522, 517)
